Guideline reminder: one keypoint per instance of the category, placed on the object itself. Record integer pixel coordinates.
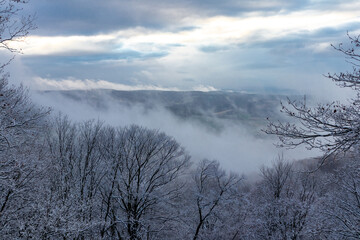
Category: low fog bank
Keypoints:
(237, 147)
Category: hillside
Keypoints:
(204, 107)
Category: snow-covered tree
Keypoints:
(14, 25)
(211, 203)
(331, 127)
(281, 203)
(22, 159)
(339, 209)
(140, 182)
(74, 175)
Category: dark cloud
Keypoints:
(87, 17)
(302, 44)
(185, 29)
(213, 48)
(188, 80)
(95, 58)
(55, 68)
(236, 7)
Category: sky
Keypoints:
(249, 45)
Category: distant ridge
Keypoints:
(237, 107)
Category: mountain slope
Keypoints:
(204, 107)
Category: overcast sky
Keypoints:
(252, 45)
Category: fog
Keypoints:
(235, 146)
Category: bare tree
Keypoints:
(277, 176)
(339, 210)
(22, 159)
(281, 203)
(14, 25)
(333, 127)
(212, 189)
(75, 174)
(143, 166)
(21, 128)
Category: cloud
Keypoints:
(75, 84)
(73, 45)
(282, 64)
(90, 17)
(212, 34)
(228, 45)
(87, 84)
(213, 48)
(202, 88)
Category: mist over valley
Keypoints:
(216, 125)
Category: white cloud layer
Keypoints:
(39, 83)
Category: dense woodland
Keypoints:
(61, 179)
(65, 180)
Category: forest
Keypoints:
(61, 179)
